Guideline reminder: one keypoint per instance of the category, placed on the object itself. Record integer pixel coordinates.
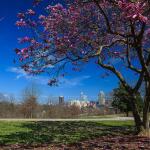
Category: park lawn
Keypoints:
(60, 132)
(101, 116)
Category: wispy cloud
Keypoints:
(75, 81)
(20, 73)
(65, 82)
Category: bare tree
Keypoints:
(30, 104)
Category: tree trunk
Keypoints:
(127, 113)
(146, 108)
(136, 115)
(146, 114)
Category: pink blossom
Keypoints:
(59, 6)
(25, 56)
(30, 12)
(143, 18)
(21, 23)
(21, 15)
(133, 10)
(42, 17)
(79, 29)
(24, 50)
(24, 39)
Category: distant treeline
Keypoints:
(30, 108)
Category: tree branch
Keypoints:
(107, 21)
(117, 73)
(139, 82)
(130, 66)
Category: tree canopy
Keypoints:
(122, 100)
(84, 30)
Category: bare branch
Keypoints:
(130, 66)
(109, 29)
(117, 73)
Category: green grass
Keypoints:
(60, 132)
(101, 116)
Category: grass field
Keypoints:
(60, 132)
(101, 116)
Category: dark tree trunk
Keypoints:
(127, 114)
(136, 114)
(146, 107)
(146, 113)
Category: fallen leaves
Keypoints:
(102, 143)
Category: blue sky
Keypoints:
(13, 80)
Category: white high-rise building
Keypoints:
(101, 98)
(81, 102)
(83, 97)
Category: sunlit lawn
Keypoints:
(59, 132)
(102, 116)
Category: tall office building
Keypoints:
(101, 98)
(61, 100)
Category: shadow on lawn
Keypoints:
(62, 132)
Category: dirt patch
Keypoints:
(102, 143)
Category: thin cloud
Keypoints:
(75, 81)
(64, 82)
(22, 74)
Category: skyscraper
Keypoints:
(101, 98)
(61, 100)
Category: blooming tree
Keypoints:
(101, 30)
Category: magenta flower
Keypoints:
(21, 15)
(42, 17)
(133, 11)
(30, 12)
(24, 50)
(24, 39)
(21, 23)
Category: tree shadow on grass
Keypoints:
(62, 132)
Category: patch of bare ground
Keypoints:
(102, 143)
